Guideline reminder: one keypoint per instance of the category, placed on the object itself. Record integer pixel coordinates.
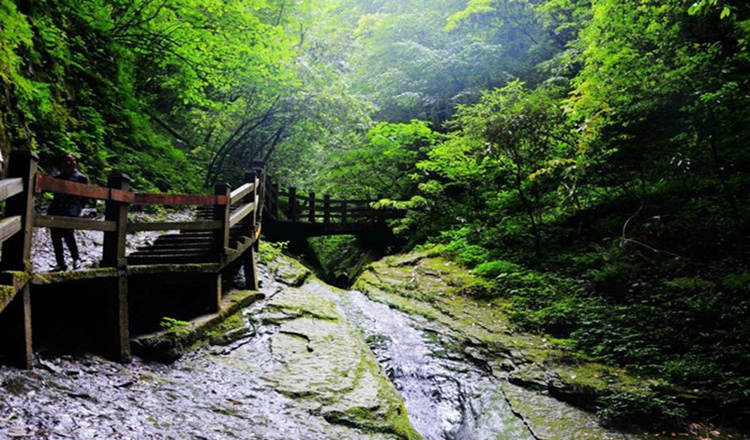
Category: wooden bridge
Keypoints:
(290, 216)
(178, 276)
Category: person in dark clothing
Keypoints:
(66, 206)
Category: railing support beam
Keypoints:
(16, 256)
(113, 255)
(293, 211)
(326, 209)
(311, 210)
(17, 249)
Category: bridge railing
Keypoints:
(238, 208)
(10, 226)
(292, 206)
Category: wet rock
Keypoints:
(550, 419)
(328, 367)
(290, 272)
(49, 366)
(429, 286)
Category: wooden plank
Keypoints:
(238, 215)
(209, 225)
(173, 268)
(179, 199)
(85, 224)
(240, 193)
(49, 183)
(195, 247)
(119, 195)
(163, 251)
(10, 187)
(173, 259)
(9, 227)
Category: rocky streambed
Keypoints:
(406, 359)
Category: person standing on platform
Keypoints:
(65, 205)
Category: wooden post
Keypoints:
(221, 213)
(221, 245)
(260, 167)
(274, 197)
(249, 265)
(15, 328)
(113, 254)
(326, 209)
(16, 253)
(16, 256)
(311, 213)
(293, 214)
(343, 211)
(118, 339)
(251, 220)
(260, 191)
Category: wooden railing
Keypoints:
(119, 199)
(10, 226)
(237, 210)
(290, 205)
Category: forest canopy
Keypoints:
(588, 158)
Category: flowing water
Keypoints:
(446, 397)
(222, 392)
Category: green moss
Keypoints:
(329, 368)
(478, 320)
(6, 295)
(289, 271)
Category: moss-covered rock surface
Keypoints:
(534, 366)
(327, 366)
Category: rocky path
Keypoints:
(297, 371)
(410, 359)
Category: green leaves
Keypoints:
(384, 165)
(706, 6)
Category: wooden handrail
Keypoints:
(179, 199)
(10, 187)
(85, 224)
(240, 193)
(52, 184)
(9, 226)
(240, 214)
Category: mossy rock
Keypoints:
(429, 285)
(329, 369)
(289, 271)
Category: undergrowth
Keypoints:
(659, 316)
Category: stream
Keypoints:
(224, 392)
(446, 397)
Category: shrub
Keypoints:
(629, 409)
(270, 251)
(493, 269)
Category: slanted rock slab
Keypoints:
(327, 366)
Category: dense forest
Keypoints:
(587, 158)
